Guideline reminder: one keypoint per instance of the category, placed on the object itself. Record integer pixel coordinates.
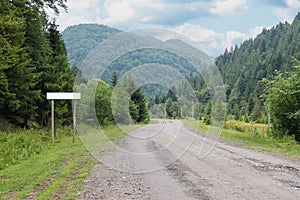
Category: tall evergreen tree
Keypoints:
(30, 46)
(18, 96)
(114, 79)
(138, 104)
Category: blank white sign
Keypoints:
(63, 95)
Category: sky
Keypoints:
(214, 24)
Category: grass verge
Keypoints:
(57, 173)
(257, 139)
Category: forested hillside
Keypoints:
(244, 67)
(33, 61)
(81, 39)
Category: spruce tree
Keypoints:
(18, 93)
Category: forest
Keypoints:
(256, 70)
(33, 61)
(36, 58)
(244, 69)
(261, 80)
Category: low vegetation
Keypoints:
(253, 136)
(36, 169)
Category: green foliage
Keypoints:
(245, 127)
(252, 136)
(283, 97)
(207, 114)
(243, 67)
(20, 145)
(173, 109)
(103, 103)
(123, 104)
(138, 108)
(81, 39)
(59, 168)
(56, 76)
(218, 112)
(18, 79)
(139, 57)
(114, 79)
(33, 61)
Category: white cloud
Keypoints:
(215, 43)
(82, 4)
(118, 11)
(293, 3)
(121, 11)
(288, 13)
(132, 13)
(256, 30)
(221, 7)
(196, 32)
(79, 11)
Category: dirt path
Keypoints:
(165, 161)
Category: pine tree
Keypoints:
(140, 101)
(114, 79)
(138, 104)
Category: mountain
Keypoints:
(82, 42)
(243, 67)
(81, 39)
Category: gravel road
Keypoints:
(165, 161)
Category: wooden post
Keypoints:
(269, 117)
(52, 120)
(74, 120)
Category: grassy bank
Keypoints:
(57, 172)
(252, 136)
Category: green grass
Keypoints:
(19, 145)
(58, 172)
(252, 136)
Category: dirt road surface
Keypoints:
(167, 161)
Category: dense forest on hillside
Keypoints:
(244, 67)
(33, 61)
(78, 35)
(81, 39)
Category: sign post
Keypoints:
(74, 119)
(52, 121)
(60, 96)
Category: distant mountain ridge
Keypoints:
(81, 39)
(82, 44)
(241, 67)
